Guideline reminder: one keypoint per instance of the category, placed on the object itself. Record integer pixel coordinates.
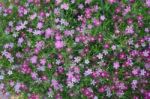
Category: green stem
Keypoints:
(102, 4)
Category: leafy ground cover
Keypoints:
(75, 49)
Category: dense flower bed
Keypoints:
(75, 49)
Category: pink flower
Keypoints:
(49, 66)
(33, 59)
(58, 37)
(96, 22)
(147, 66)
(88, 1)
(129, 30)
(65, 6)
(135, 71)
(59, 44)
(102, 17)
(37, 32)
(126, 10)
(111, 1)
(43, 61)
(48, 33)
(116, 65)
(34, 96)
(33, 16)
(39, 25)
(34, 75)
(148, 3)
(57, 2)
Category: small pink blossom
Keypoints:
(39, 25)
(43, 61)
(129, 30)
(33, 59)
(116, 65)
(48, 32)
(59, 44)
(65, 6)
(148, 3)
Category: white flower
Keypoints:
(74, 79)
(93, 82)
(4, 53)
(134, 82)
(88, 72)
(41, 68)
(105, 52)
(70, 85)
(108, 92)
(9, 72)
(50, 94)
(142, 72)
(1, 77)
(136, 45)
(146, 53)
(86, 61)
(58, 62)
(102, 17)
(100, 56)
(17, 87)
(113, 47)
(95, 97)
(11, 59)
(143, 44)
(77, 59)
(130, 42)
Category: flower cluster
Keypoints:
(75, 49)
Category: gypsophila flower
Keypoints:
(64, 49)
(86, 61)
(1, 77)
(9, 72)
(100, 56)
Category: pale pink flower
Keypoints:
(48, 32)
(129, 30)
(39, 25)
(116, 65)
(33, 59)
(96, 22)
(111, 1)
(135, 71)
(34, 75)
(43, 61)
(58, 2)
(88, 1)
(102, 17)
(65, 6)
(33, 16)
(148, 3)
(126, 10)
(37, 32)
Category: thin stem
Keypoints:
(102, 4)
